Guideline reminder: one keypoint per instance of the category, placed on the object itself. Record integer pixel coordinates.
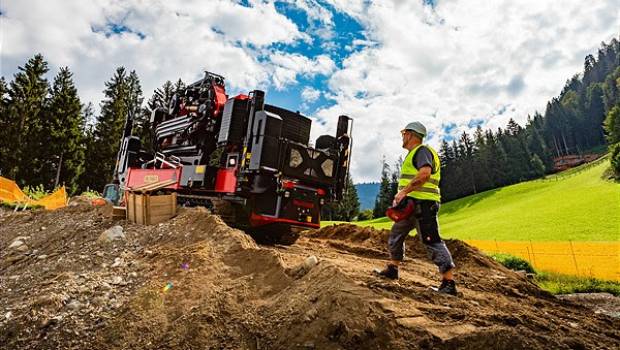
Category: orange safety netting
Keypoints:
(587, 258)
(11, 193)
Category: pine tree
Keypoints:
(122, 95)
(612, 125)
(466, 145)
(611, 90)
(446, 157)
(179, 86)
(383, 201)
(395, 176)
(5, 127)
(536, 145)
(498, 160)
(481, 162)
(160, 99)
(66, 128)
(349, 207)
(89, 117)
(538, 168)
(25, 142)
(595, 110)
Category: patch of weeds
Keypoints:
(91, 194)
(513, 262)
(556, 283)
(35, 192)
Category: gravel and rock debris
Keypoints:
(75, 279)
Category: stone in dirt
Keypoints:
(117, 262)
(18, 245)
(114, 233)
(310, 262)
(74, 305)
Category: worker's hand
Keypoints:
(399, 197)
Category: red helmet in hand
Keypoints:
(403, 210)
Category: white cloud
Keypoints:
(320, 19)
(180, 39)
(310, 95)
(460, 61)
(287, 66)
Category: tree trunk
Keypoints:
(58, 170)
(555, 144)
(565, 146)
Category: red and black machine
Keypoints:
(249, 161)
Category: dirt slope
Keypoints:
(68, 290)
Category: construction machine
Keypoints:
(248, 161)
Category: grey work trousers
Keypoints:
(425, 222)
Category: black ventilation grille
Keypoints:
(295, 127)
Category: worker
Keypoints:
(419, 182)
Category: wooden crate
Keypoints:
(119, 213)
(149, 209)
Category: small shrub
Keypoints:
(91, 194)
(512, 262)
(35, 192)
(615, 159)
(365, 215)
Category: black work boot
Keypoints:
(391, 272)
(447, 287)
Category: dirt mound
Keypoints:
(371, 238)
(80, 280)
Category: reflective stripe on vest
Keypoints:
(430, 189)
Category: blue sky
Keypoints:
(453, 65)
(337, 47)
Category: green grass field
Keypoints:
(584, 206)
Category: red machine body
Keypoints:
(226, 180)
(255, 156)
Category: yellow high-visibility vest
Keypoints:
(430, 189)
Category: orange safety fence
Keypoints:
(11, 193)
(589, 259)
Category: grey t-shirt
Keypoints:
(424, 157)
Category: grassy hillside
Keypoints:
(584, 206)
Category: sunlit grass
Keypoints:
(582, 207)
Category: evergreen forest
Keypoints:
(49, 137)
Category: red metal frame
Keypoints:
(226, 180)
(137, 177)
(261, 220)
(220, 99)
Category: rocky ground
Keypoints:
(76, 279)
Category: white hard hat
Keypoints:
(416, 127)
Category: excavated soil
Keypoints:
(195, 283)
